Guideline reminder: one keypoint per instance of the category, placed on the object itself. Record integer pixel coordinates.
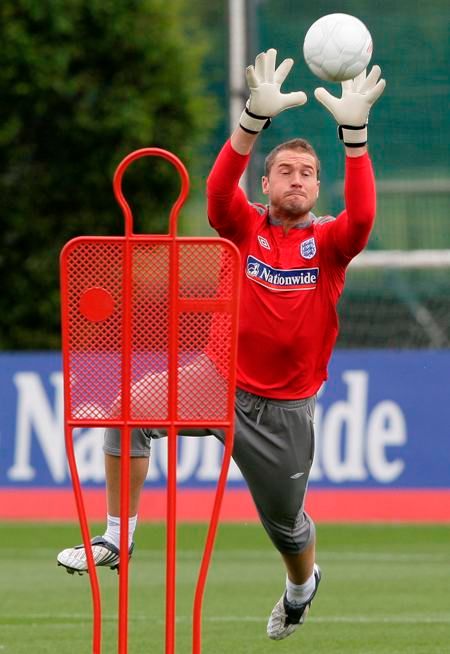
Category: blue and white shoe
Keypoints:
(105, 554)
(286, 617)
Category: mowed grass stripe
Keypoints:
(237, 555)
(349, 619)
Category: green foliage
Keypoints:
(82, 84)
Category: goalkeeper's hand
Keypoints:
(351, 110)
(266, 99)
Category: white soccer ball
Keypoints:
(337, 47)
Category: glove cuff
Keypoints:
(252, 123)
(353, 137)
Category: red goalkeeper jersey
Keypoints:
(291, 283)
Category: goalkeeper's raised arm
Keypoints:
(228, 209)
(266, 100)
(351, 111)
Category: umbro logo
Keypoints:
(297, 475)
(264, 242)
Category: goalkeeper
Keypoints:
(293, 271)
(293, 274)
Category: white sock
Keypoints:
(112, 533)
(300, 593)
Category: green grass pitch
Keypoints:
(385, 590)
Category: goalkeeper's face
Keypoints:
(292, 184)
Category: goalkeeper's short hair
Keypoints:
(293, 144)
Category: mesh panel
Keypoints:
(204, 315)
(150, 331)
(208, 274)
(94, 347)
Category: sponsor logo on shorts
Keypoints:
(303, 279)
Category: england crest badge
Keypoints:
(308, 248)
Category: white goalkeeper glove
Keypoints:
(266, 100)
(351, 111)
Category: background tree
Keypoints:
(83, 83)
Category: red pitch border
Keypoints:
(401, 505)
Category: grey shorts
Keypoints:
(274, 450)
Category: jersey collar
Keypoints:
(278, 223)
